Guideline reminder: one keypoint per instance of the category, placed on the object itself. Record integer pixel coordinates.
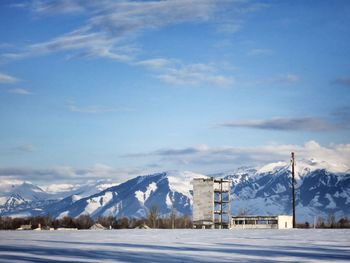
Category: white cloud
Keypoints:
(230, 28)
(5, 78)
(51, 7)
(201, 158)
(278, 79)
(68, 174)
(175, 72)
(27, 148)
(19, 91)
(111, 27)
(195, 75)
(110, 23)
(155, 63)
(313, 124)
(287, 78)
(80, 43)
(204, 157)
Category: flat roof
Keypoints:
(257, 217)
(212, 179)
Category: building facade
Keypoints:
(211, 203)
(262, 222)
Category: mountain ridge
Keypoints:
(266, 190)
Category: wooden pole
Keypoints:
(221, 203)
(293, 187)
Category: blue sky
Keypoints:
(93, 89)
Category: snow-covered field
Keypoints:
(176, 246)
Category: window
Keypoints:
(239, 222)
(285, 224)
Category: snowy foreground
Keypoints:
(176, 246)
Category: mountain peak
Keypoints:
(181, 181)
(272, 167)
(263, 191)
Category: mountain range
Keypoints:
(321, 190)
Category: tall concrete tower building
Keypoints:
(211, 203)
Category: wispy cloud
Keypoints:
(18, 149)
(87, 44)
(337, 155)
(25, 148)
(155, 63)
(110, 23)
(195, 75)
(230, 28)
(178, 73)
(53, 7)
(19, 91)
(345, 81)
(68, 173)
(202, 158)
(286, 78)
(111, 28)
(172, 152)
(232, 20)
(94, 109)
(5, 78)
(278, 79)
(313, 124)
(342, 114)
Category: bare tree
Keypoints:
(243, 212)
(173, 217)
(123, 222)
(153, 214)
(320, 222)
(108, 222)
(344, 222)
(67, 222)
(331, 221)
(84, 222)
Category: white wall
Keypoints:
(285, 222)
(203, 200)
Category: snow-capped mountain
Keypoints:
(24, 190)
(26, 199)
(60, 191)
(17, 196)
(320, 190)
(133, 198)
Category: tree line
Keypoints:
(153, 220)
(330, 222)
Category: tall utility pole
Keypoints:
(221, 204)
(293, 186)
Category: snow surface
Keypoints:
(143, 196)
(272, 167)
(331, 204)
(97, 202)
(140, 245)
(304, 167)
(7, 185)
(181, 181)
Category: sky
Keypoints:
(113, 89)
